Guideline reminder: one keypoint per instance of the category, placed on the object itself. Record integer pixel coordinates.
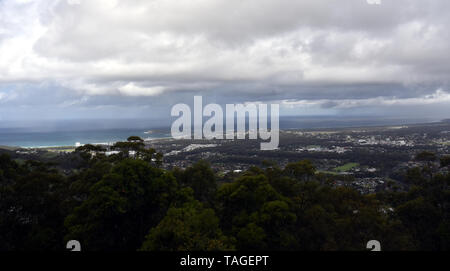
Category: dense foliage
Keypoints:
(119, 202)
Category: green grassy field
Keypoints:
(346, 167)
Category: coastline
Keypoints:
(74, 146)
(149, 136)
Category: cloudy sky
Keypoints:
(66, 59)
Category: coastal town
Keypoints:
(369, 159)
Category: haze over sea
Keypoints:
(69, 132)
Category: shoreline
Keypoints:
(8, 147)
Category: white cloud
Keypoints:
(438, 97)
(131, 89)
(241, 48)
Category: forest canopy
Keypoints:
(118, 202)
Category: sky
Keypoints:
(70, 59)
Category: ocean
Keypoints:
(70, 138)
(68, 133)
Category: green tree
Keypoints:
(252, 237)
(135, 139)
(201, 179)
(421, 220)
(189, 228)
(445, 161)
(426, 156)
(302, 170)
(32, 197)
(122, 206)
